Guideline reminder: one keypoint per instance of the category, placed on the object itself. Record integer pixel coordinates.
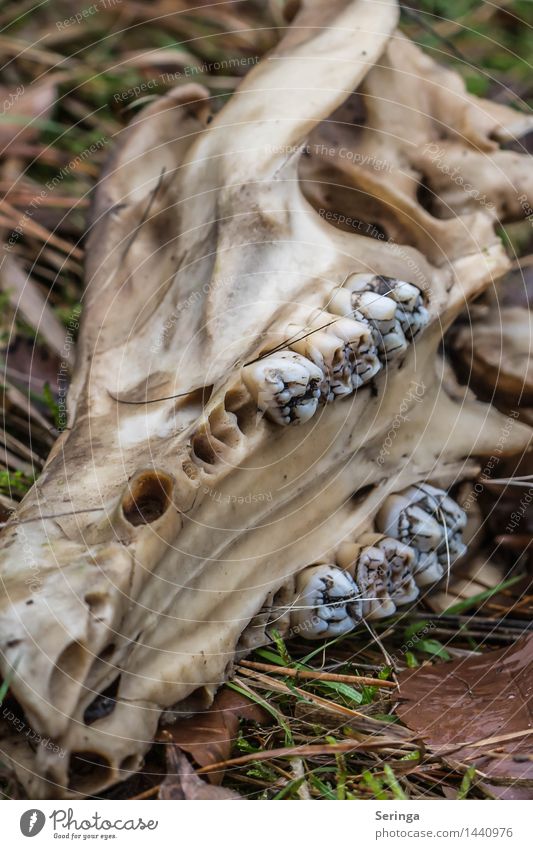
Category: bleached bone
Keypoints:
(173, 519)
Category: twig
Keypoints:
(312, 675)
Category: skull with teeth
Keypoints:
(171, 516)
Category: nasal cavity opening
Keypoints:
(147, 498)
(88, 771)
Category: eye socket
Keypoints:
(147, 498)
(103, 704)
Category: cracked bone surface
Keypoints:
(175, 521)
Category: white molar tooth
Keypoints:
(401, 559)
(399, 517)
(428, 570)
(412, 314)
(327, 602)
(340, 302)
(369, 565)
(341, 347)
(360, 351)
(285, 386)
(411, 311)
(427, 518)
(380, 312)
(357, 336)
(451, 550)
(438, 502)
(329, 353)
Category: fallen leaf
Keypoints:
(477, 712)
(209, 736)
(182, 782)
(22, 111)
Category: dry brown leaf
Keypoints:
(22, 106)
(478, 712)
(183, 783)
(208, 737)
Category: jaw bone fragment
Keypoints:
(175, 521)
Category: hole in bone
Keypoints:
(239, 403)
(148, 498)
(129, 764)
(99, 604)
(426, 197)
(103, 704)
(67, 676)
(204, 449)
(106, 653)
(363, 493)
(88, 770)
(223, 426)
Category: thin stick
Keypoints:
(312, 675)
(304, 751)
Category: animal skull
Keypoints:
(254, 388)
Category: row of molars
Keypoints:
(417, 536)
(368, 321)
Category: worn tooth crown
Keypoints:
(428, 519)
(371, 570)
(439, 503)
(342, 348)
(412, 313)
(401, 560)
(327, 602)
(285, 386)
(394, 308)
(330, 354)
